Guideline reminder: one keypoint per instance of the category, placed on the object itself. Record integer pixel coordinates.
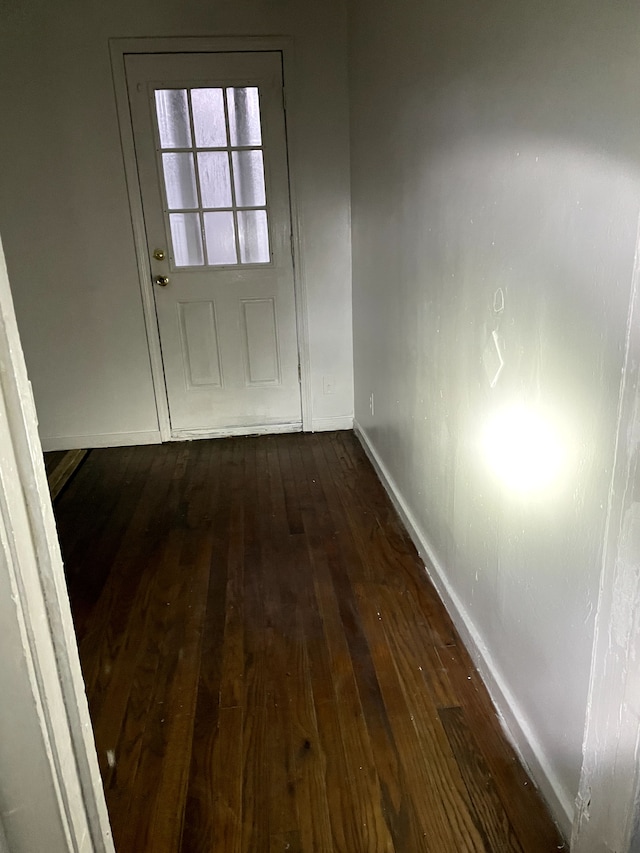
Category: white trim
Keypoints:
(513, 720)
(119, 47)
(226, 432)
(608, 802)
(329, 424)
(33, 561)
(295, 156)
(139, 238)
(101, 439)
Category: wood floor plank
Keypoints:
(163, 768)
(122, 724)
(256, 828)
(382, 541)
(97, 581)
(433, 675)
(268, 666)
(111, 642)
(89, 502)
(233, 655)
(225, 774)
(435, 787)
(410, 824)
(51, 460)
(327, 678)
(492, 822)
(139, 719)
(526, 811)
(61, 473)
(280, 633)
(439, 642)
(392, 561)
(371, 831)
(450, 805)
(200, 827)
(306, 757)
(309, 758)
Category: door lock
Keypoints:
(159, 255)
(162, 280)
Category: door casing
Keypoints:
(49, 754)
(284, 45)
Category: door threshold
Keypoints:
(225, 432)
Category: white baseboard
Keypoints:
(511, 716)
(124, 439)
(329, 424)
(226, 432)
(107, 439)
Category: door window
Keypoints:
(212, 162)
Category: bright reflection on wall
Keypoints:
(524, 448)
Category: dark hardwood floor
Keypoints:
(268, 667)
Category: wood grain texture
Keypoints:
(267, 665)
(60, 466)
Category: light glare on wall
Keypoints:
(524, 448)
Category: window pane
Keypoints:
(215, 183)
(248, 174)
(179, 180)
(208, 118)
(254, 236)
(187, 239)
(220, 236)
(244, 116)
(173, 118)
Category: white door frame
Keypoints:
(607, 814)
(223, 44)
(47, 722)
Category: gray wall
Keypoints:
(64, 211)
(497, 145)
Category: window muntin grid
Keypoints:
(212, 163)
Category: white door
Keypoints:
(210, 143)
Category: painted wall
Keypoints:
(497, 146)
(64, 211)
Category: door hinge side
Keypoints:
(284, 99)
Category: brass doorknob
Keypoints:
(162, 280)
